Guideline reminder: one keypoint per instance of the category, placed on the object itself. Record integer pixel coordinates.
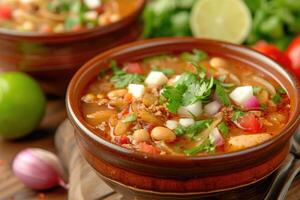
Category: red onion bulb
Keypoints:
(38, 169)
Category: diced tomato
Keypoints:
(124, 112)
(148, 148)
(293, 52)
(122, 140)
(5, 12)
(250, 123)
(134, 68)
(46, 29)
(77, 27)
(274, 53)
(128, 98)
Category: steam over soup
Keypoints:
(188, 104)
(55, 16)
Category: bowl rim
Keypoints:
(134, 46)
(98, 30)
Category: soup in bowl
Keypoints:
(181, 118)
(52, 39)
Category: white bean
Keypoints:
(141, 135)
(163, 134)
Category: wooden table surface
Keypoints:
(55, 113)
(9, 149)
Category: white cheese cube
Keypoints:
(171, 124)
(156, 79)
(186, 122)
(92, 4)
(91, 15)
(191, 110)
(137, 90)
(241, 94)
(173, 80)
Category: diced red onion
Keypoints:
(217, 137)
(212, 108)
(252, 103)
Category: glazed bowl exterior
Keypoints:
(54, 58)
(144, 176)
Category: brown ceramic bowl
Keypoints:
(54, 58)
(142, 176)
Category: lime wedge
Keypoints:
(226, 20)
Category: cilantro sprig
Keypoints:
(194, 129)
(278, 96)
(122, 79)
(130, 118)
(196, 56)
(166, 71)
(206, 146)
(222, 94)
(237, 114)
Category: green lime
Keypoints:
(226, 20)
(22, 104)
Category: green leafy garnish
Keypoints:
(196, 56)
(188, 90)
(256, 90)
(237, 114)
(194, 129)
(263, 106)
(281, 90)
(222, 94)
(180, 130)
(276, 98)
(174, 96)
(166, 71)
(121, 79)
(130, 118)
(224, 129)
(206, 146)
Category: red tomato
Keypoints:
(5, 12)
(122, 140)
(134, 68)
(250, 123)
(293, 52)
(274, 53)
(148, 148)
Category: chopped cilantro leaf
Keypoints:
(222, 94)
(166, 71)
(187, 78)
(222, 78)
(256, 90)
(198, 91)
(194, 129)
(224, 129)
(197, 127)
(130, 118)
(180, 130)
(206, 146)
(237, 114)
(174, 96)
(263, 106)
(195, 56)
(281, 90)
(276, 98)
(121, 79)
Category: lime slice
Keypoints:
(226, 20)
